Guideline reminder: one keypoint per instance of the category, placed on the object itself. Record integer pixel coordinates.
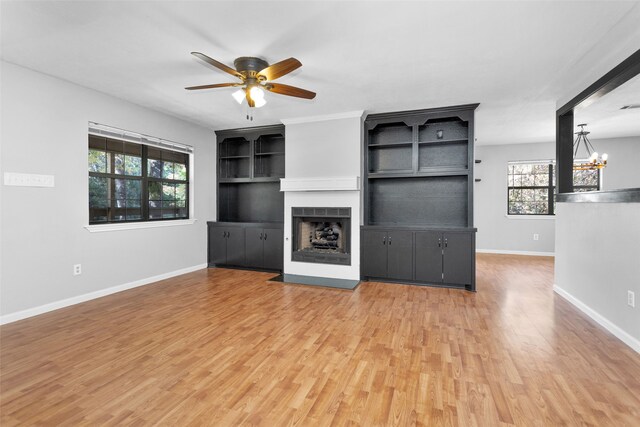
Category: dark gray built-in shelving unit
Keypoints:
(248, 230)
(419, 185)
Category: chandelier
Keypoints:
(595, 161)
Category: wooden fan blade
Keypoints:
(213, 86)
(281, 68)
(218, 65)
(290, 90)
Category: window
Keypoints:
(129, 182)
(531, 186)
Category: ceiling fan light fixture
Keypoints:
(256, 93)
(238, 95)
(260, 102)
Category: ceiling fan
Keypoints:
(256, 76)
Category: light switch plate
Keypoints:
(28, 180)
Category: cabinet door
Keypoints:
(217, 246)
(457, 258)
(273, 248)
(235, 246)
(400, 255)
(253, 247)
(374, 253)
(429, 256)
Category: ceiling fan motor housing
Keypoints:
(249, 63)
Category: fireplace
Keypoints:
(321, 235)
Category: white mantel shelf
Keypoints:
(351, 183)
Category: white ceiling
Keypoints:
(512, 57)
(605, 117)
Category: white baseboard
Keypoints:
(30, 312)
(599, 319)
(506, 252)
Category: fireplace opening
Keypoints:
(321, 235)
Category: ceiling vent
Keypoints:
(630, 107)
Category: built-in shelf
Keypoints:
(449, 155)
(422, 173)
(233, 157)
(436, 200)
(391, 144)
(444, 141)
(419, 196)
(251, 164)
(418, 167)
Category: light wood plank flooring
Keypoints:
(225, 347)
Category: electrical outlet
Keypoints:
(536, 237)
(77, 269)
(631, 299)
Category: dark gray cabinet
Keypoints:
(374, 253)
(400, 255)
(418, 197)
(444, 257)
(429, 256)
(388, 254)
(248, 245)
(419, 255)
(458, 258)
(226, 246)
(250, 166)
(264, 248)
(253, 247)
(273, 248)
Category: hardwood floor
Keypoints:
(226, 347)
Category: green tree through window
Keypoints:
(531, 187)
(135, 182)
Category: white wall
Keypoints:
(496, 231)
(597, 262)
(44, 131)
(624, 158)
(324, 149)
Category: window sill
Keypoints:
(99, 228)
(544, 217)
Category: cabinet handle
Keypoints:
(389, 240)
(224, 234)
(228, 234)
(260, 236)
(265, 236)
(445, 243)
(384, 240)
(439, 243)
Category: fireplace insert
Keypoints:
(321, 235)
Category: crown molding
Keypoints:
(324, 117)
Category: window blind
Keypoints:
(139, 138)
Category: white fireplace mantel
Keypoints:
(351, 183)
